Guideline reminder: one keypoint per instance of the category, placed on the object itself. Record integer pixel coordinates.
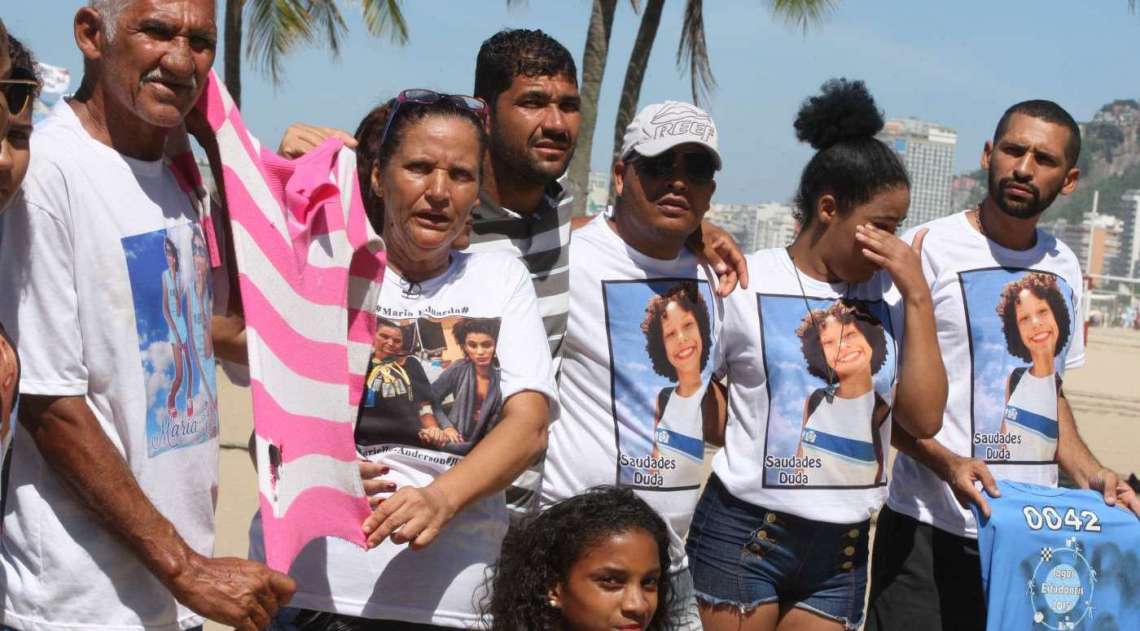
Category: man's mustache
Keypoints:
(161, 76)
(561, 140)
(1005, 182)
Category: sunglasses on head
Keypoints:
(18, 91)
(422, 96)
(697, 166)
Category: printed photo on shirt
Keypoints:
(831, 374)
(433, 383)
(169, 271)
(1021, 323)
(660, 344)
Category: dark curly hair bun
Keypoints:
(849, 164)
(845, 110)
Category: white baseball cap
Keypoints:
(659, 127)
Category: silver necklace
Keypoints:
(829, 392)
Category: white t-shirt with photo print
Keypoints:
(105, 284)
(984, 355)
(788, 446)
(622, 420)
(443, 583)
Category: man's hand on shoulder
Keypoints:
(300, 139)
(720, 250)
(242, 594)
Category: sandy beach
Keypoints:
(1104, 393)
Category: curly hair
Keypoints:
(1044, 286)
(538, 554)
(846, 312)
(850, 163)
(466, 326)
(688, 297)
(509, 53)
(374, 149)
(24, 64)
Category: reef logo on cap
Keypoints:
(682, 119)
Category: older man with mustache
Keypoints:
(110, 517)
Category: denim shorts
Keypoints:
(744, 556)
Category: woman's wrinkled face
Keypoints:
(480, 348)
(1036, 324)
(681, 334)
(844, 347)
(613, 585)
(429, 185)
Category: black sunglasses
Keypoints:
(697, 167)
(18, 91)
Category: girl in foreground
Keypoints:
(593, 562)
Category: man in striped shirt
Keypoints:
(529, 80)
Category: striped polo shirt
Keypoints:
(541, 241)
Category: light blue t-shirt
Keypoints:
(1058, 559)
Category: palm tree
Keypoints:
(277, 27)
(692, 51)
(593, 70)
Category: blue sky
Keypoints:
(956, 63)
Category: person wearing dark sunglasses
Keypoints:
(610, 376)
(14, 156)
(9, 359)
(19, 90)
(5, 72)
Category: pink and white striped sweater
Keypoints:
(309, 268)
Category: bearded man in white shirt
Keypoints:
(989, 267)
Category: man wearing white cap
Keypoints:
(644, 321)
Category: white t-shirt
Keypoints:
(987, 301)
(789, 446)
(629, 415)
(103, 277)
(1029, 415)
(442, 584)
